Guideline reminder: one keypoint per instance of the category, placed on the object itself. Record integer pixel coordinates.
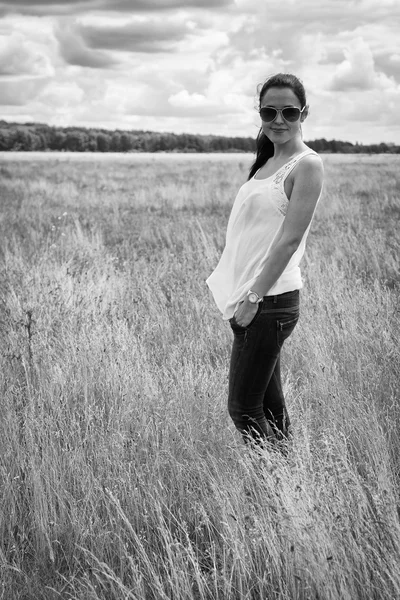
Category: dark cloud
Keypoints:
(157, 5)
(43, 7)
(74, 51)
(71, 7)
(149, 36)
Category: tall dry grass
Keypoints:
(121, 474)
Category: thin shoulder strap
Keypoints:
(291, 165)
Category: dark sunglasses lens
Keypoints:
(268, 114)
(291, 114)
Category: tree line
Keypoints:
(40, 137)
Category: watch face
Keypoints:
(253, 298)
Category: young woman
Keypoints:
(257, 281)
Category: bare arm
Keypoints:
(306, 190)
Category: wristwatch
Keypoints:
(253, 297)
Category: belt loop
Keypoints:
(275, 299)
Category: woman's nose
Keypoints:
(279, 118)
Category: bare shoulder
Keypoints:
(308, 174)
(311, 164)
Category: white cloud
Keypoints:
(23, 54)
(357, 71)
(185, 100)
(194, 66)
(26, 66)
(202, 104)
(62, 94)
(19, 56)
(20, 92)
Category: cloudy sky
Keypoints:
(194, 65)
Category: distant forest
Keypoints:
(40, 137)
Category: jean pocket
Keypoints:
(284, 327)
(238, 328)
(235, 327)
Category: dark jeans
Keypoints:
(256, 403)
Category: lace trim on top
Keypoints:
(282, 201)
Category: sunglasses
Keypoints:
(290, 113)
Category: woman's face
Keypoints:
(279, 130)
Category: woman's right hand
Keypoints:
(245, 313)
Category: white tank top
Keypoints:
(256, 217)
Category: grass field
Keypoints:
(122, 477)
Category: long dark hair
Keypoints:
(265, 148)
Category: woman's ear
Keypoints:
(305, 113)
